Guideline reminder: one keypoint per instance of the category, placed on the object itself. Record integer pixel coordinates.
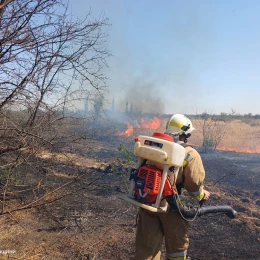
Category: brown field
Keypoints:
(84, 217)
(239, 136)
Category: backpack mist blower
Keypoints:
(152, 182)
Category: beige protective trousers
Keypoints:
(153, 227)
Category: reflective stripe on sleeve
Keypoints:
(197, 195)
(177, 256)
(187, 159)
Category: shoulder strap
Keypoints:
(188, 156)
(185, 145)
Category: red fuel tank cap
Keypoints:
(163, 136)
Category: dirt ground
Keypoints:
(87, 218)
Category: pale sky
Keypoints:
(180, 56)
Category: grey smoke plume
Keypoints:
(144, 98)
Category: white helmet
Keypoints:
(179, 124)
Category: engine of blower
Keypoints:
(147, 184)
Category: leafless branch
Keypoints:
(48, 64)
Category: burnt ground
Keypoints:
(88, 219)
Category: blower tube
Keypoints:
(193, 212)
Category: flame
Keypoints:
(127, 132)
(151, 123)
(242, 150)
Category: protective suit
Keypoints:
(153, 227)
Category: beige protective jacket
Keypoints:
(193, 174)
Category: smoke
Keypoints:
(144, 98)
(163, 75)
(160, 54)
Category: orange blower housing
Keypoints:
(147, 184)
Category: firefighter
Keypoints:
(153, 227)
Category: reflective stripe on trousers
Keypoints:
(177, 256)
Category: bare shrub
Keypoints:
(213, 131)
(48, 64)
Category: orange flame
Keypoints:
(127, 132)
(151, 123)
(242, 150)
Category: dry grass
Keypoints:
(239, 136)
(94, 223)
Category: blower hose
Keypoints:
(190, 213)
